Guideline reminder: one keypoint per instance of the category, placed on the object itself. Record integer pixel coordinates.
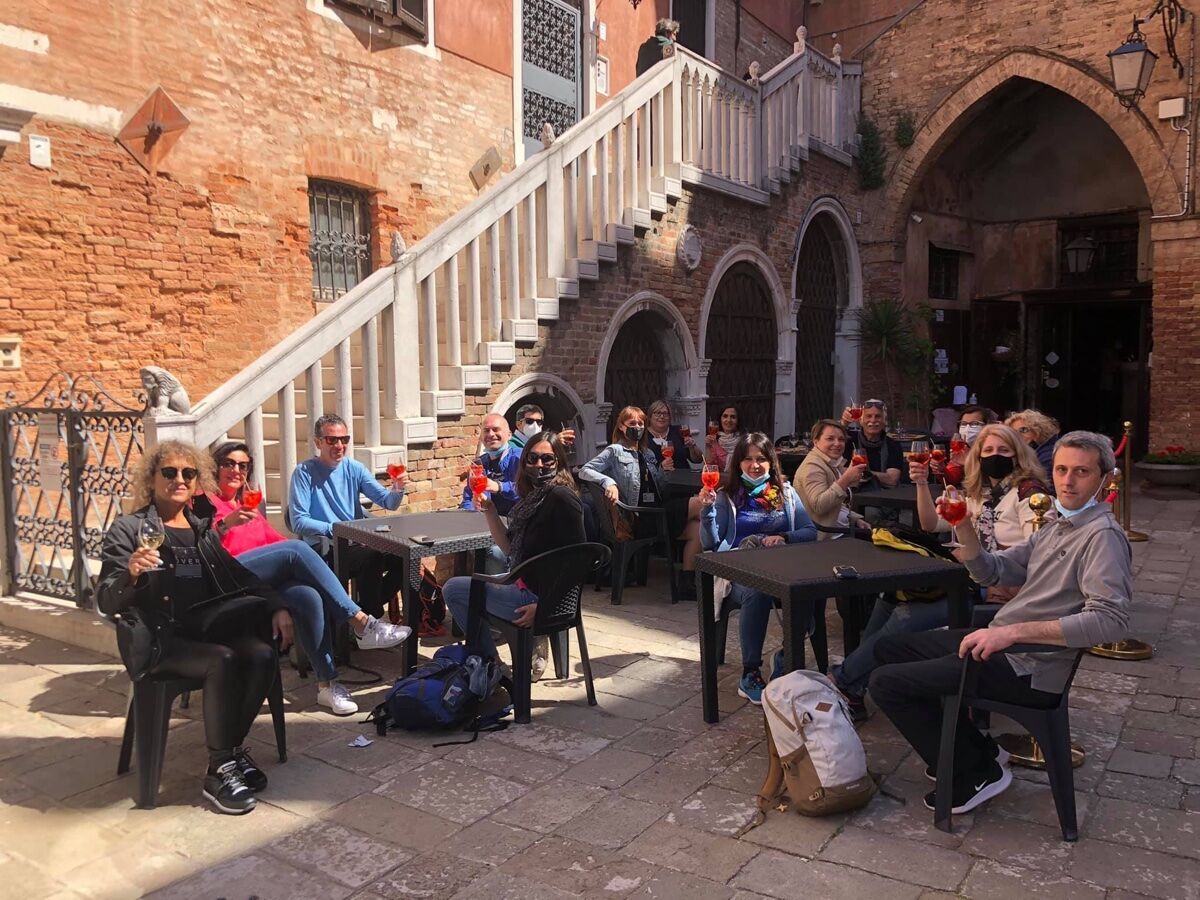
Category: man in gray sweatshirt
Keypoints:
(1076, 587)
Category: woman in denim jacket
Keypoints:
(627, 471)
(754, 502)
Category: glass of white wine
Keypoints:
(151, 535)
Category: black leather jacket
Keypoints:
(117, 591)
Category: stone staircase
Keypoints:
(401, 352)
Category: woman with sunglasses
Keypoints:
(548, 516)
(317, 600)
(210, 617)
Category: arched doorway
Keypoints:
(1016, 316)
(636, 373)
(741, 339)
(559, 402)
(821, 292)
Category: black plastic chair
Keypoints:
(150, 702)
(561, 574)
(819, 637)
(1050, 727)
(625, 552)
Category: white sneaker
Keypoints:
(381, 635)
(541, 657)
(337, 699)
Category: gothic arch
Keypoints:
(1074, 79)
(779, 298)
(544, 383)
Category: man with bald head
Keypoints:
(500, 461)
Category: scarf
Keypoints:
(863, 442)
(728, 441)
(986, 525)
(519, 518)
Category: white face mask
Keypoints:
(969, 432)
(529, 429)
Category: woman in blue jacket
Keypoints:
(755, 501)
(629, 472)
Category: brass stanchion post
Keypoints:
(1130, 648)
(1023, 749)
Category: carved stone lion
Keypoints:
(164, 393)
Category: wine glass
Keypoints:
(479, 482)
(710, 476)
(856, 413)
(668, 451)
(952, 507)
(151, 535)
(395, 466)
(918, 452)
(252, 495)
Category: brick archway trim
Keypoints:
(1073, 78)
(779, 298)
(684, 355)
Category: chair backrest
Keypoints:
(560, 575)
(603, 510)
(945, 420)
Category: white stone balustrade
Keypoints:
(402, 348)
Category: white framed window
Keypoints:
(602, 75)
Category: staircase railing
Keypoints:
(404, 346)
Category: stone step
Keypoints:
(599, 251)
(520, 331)
(547, 308)
(620, 233)
(637, 218)
(583, 269)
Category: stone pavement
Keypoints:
(635, 798)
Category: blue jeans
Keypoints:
(502, 601)
(889, 617)
(752, 622)
(310, 590)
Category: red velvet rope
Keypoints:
(1121, 446)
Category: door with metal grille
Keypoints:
(339, 243)
(742, 342)
(636, 373)
(551, 65)
(819, 290)
(64, 460)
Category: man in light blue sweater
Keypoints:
(328, 488)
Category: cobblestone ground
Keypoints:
(634, 798)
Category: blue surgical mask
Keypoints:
(1072, 513)
(756, 485)
(494, 454)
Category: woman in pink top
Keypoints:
(308, 586)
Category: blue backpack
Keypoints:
(443, 693)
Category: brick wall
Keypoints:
(758, 41)
(980, 45)
(204, 266)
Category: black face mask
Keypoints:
(997, 466)
(633, 433)
(542, 476)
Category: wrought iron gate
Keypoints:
(818, 288)
(550, 69)
(63, 465)
(742, 342)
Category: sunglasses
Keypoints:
(546, 459)
(234, 464)
(333, 441)
(873, 404)
(530, 420)
(172, 472)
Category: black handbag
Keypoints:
(140, 643)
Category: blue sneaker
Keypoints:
(777, 668)
(752, 686)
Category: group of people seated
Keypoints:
(222, 592)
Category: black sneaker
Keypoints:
(974, 790)
(255, 778)
(225, 790)
(857, 706)
(1001, 757)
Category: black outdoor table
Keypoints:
(451, 531)
(803, 573)
(681, 482)
(902, 496)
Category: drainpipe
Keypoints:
(737, 32)
(1185, 203)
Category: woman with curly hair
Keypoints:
(211, 619)
(754, 503)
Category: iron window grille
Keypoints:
(339, 238)
(943, 273)
(407, 15)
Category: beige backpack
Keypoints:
(817, 759)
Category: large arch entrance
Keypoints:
(1027, 234)
(822, 294)
(741, 339)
